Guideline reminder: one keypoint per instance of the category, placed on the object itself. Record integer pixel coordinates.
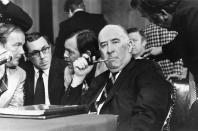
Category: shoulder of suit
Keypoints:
(19, 72)
(59, 63)
(144, 62)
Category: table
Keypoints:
(83, 122)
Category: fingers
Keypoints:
(146, 53)
(80, 63)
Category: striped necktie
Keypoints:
(3, 84)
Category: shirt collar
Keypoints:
(46, 72)
(113, 78)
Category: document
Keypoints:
(43, 111)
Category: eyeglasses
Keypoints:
(44, 50)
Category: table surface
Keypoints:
(83, 122)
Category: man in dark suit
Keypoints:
(45, 75)
(132, 89)
(11, 13)
(78, 20)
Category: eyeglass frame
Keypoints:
(37, 53)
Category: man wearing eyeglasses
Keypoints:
(45, 75)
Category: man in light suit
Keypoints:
(139, 94)
(78, 20)
(38, 51)
(11, 88)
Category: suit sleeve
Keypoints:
(18, 16)
(152, 100)
(18, 97)
(72, 96)
(59, 48)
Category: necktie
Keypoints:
(107, 90)
(39, 96)
(105, 93)
(3, 84)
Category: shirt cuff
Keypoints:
(76, 81)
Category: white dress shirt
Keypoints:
(45, 81)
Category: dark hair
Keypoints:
(86, 40)
(155, 5)
(6, 30)
(73, 4)
(33, 37)
(134, 29)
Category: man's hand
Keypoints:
(152, 51)
(81, 69)
(5, 2)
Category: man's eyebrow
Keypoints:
(18, 43)
(67, 49)
(38, 50)
(102, 42)
(115, 39)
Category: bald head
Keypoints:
(115, 29)
(114, 44)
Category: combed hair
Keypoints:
(134, 29)
(6, 30)
(156, 5)
(73, 4)
(33, 37)
(86, 40)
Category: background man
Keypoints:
(78, 20)
(12, 77)
(139, 42)
(129, 88)
(45, 75)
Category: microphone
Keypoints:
(5, 57)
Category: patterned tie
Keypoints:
(3, 84)
(107, 89)
(39, 96)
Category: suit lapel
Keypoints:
(120, 80)
(96, 87)
(53, 74)
(12, 85)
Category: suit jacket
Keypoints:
(79, 21)
(140, 96)
(14, 96)
(15, 15)
(55, 82)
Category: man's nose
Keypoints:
(109, 48)
(41, 54)
(21, 51)
(66, 54)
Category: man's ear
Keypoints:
(164, 14)
(144, 43)
(130, 45)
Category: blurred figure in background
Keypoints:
(139, 41)
(78, 20)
